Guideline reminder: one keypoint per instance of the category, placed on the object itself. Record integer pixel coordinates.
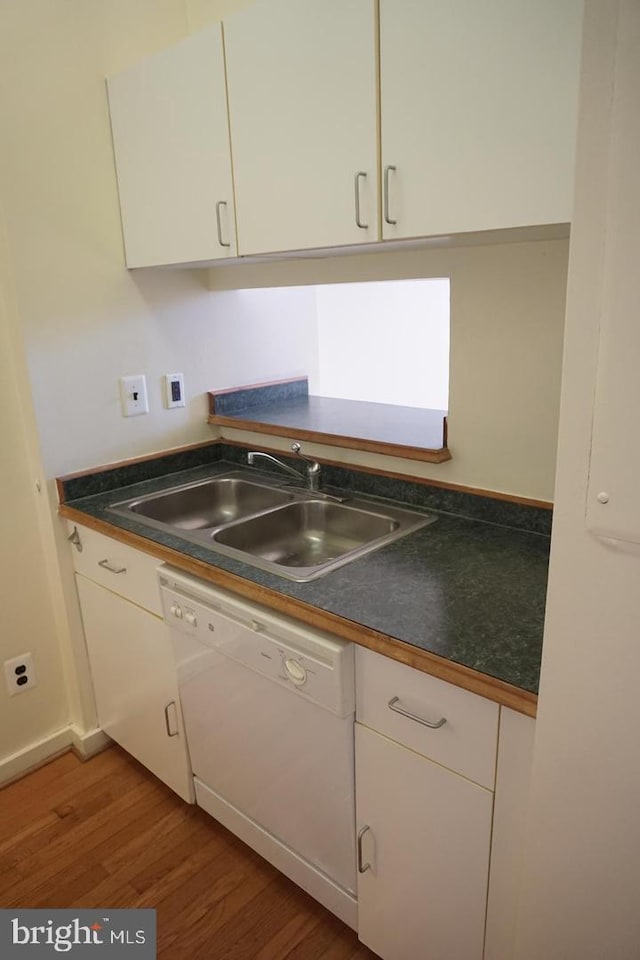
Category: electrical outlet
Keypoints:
(133, 395)
(20, 674)
(174, 390)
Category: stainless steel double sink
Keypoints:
(292, 532)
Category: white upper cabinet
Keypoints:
(302, 104)
(171, 140)
(476, 127)
(478, 113)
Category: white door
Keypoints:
(479, 110)
(171, 140)
(423, 896)
(302, 106)
(134, 681)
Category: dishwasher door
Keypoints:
(281, 760)
(269, 747)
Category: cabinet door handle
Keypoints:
(111, 566)
(356, 186)
(220, 203)
(167, 722)
(74, 538)
(387, 218)
(393, 705)
(362, 867)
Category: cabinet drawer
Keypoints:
(119, 568)
(465, 743)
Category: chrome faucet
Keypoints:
(312, 471)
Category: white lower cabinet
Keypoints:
(130, 656)
(425, 834)
(424, 825)
(515, 755)
(134, 683)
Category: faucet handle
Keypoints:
(296, 448)
(313, 468)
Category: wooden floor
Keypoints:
(106, 833)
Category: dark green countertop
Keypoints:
(469, 591)
(379, 422)
(288, 404)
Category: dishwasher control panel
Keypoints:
(310, 662)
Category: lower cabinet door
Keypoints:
(134, 681)
(424, 838)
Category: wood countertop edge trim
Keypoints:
(493, 689)
(425, 454)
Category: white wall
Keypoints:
(85, 320)
(580, 893)
(384, 342)
(29, 618)
(507, 322)
(261, 335)
(81, 317)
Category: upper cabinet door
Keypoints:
(302, 103)
(171, 139)
(478, 113)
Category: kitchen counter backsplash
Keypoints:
(108, 477)
(411, 493)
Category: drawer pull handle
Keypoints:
(362, 867)
(393, 705)
(167, 722)
(111, 566)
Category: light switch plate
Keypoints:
(133, 395)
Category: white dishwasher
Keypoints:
(268, 708)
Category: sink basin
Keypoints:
(205, 504)
(307, 539)
(306, 534)
(291, 532)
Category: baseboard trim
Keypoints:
(84, 743)
(17, 764)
